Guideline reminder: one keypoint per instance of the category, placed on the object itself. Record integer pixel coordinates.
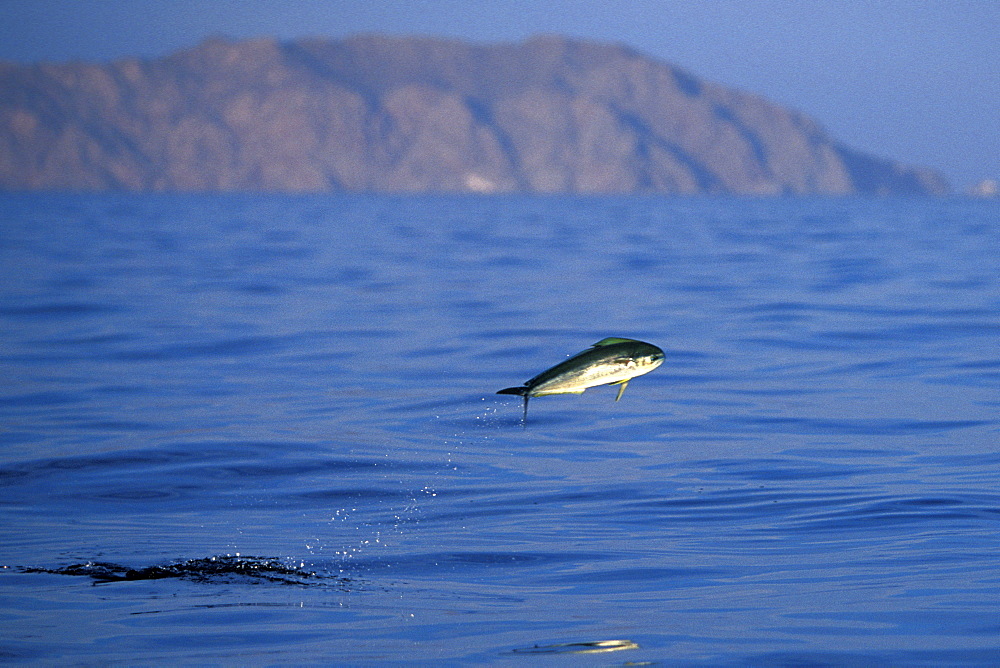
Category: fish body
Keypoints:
(610, 361)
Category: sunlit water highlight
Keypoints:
(811, 477)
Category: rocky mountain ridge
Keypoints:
(375, 113)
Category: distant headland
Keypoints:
(375, 113)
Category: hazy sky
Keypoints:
(914, 80)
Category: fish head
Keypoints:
(638, 357)
(649, 359)
(644, 354)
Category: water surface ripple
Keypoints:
(249, 429)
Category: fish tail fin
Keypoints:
(621, 389)
(522, 392)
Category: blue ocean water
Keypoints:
(301, 390)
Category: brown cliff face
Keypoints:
(386, 114)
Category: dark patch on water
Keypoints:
(55, 310)
(219, 569)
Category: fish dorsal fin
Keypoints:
(610, 341)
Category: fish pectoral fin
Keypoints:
(621, 388)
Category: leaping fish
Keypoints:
(610, 361)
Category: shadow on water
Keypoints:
(227, 569)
